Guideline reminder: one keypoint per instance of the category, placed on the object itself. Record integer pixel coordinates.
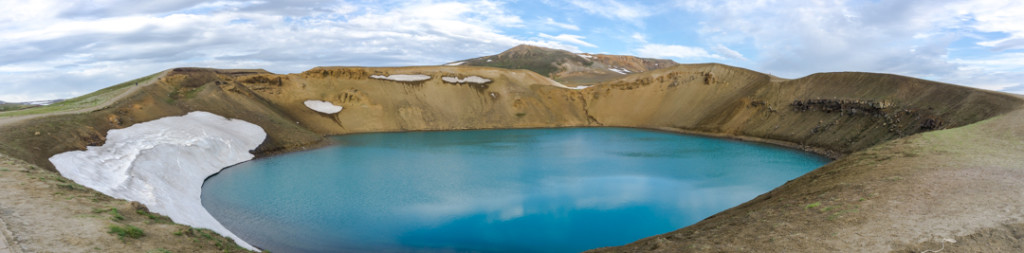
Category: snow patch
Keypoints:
(163, 163)
(623, 71)
(489, 60)
(455, 63)
(323, 106)
(580, 87)
(402, 78)
(469, 79)
(586, 56)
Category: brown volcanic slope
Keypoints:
(567, 67)
(917, 161)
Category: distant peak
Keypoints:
(525, 48)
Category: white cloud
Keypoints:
(613, 9)
(639, 37)
(728, 53)
(915, 37)
(674, 51)
(995, 16)
(552, 22)
(55, 49)
(574, 39)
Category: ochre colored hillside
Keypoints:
(872, 124)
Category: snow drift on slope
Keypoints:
(322, 106)
(469, 79)
(163, 163)
(402, 78)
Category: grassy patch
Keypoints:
(205, 236)
(62, 183)
(14, 107)
(115, 215)
(541, 61)
(86, 101)
(184, 92)
(813, 205)
(128, 231)
(153, 217)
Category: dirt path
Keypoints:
(131, 90)
(5, 237)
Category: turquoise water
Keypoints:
(526, 190)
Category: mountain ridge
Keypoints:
(567, 67)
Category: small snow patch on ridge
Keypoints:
(586, 56)
(455, 63)
(623, 71)
(469, 79)
(323, 106)
(402, 78)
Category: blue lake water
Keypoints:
(524, 190)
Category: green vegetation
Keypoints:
(183, 92)
(205, 235)
(115, 215)
(126, 231)
(152, 217)
(14, 107)
(541, 60)
(86, 101)
(542, 65)
(61, 182)
(813, 205)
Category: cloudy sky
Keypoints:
(59, 49)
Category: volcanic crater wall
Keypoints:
(836, 113)
(833, 113)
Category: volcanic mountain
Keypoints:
(566, 67)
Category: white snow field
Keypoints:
(163, 163)
(323, 106)
(468, 79)
(402, 78)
